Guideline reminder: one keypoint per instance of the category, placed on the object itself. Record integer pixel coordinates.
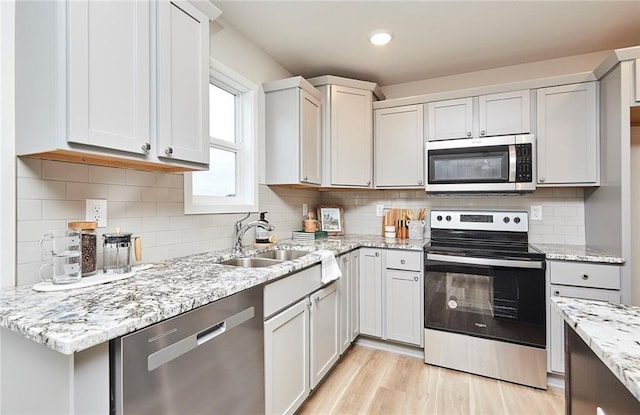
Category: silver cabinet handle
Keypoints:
(146, 147)
(556, 293)
(369, 183)
(469, 134)
(420, 182)
(377, 253)
(402, 261)
(309, 304)
(305, 178)
(317, 299)
(585, 277)
(541, 180)
(168, 151)
(416, 279)
(482, 132)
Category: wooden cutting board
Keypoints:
(393, 216)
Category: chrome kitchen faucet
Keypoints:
(240, 229)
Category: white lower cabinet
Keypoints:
(301, 341)
(403, 299)
(576, 280)
(391, 295)
(348, 297)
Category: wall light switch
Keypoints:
(96, 211)
(379, 210)
(305, 210)
(536, 212)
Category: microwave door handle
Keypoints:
(512, 163)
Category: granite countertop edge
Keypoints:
(74, 320)
(578, 253)
(611, 331)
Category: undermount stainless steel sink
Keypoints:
(282, 254)
(251, 262)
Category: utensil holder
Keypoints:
(416, 229)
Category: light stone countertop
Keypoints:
(612, 331)
(579, 253)
(75, 320)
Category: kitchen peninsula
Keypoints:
(603, 356)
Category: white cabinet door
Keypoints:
(310, 139)
(504, 114)
(324, 332)
(183, 82)
(450, 119)
(404, 310)
(286, 348)
(109, 74)
(354, 294)
(556, 322)
(371, 292)
(344, 295)
(567, 136)
(351, 136)
(398, 141)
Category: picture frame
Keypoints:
(331, 220)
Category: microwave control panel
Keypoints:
(524, 161)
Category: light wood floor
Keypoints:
(371, 381)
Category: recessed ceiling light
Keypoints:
(380, 37)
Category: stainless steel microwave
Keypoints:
(489, 164)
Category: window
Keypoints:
(230, 184)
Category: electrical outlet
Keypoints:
(305, 210)
(379, 210)
(536, 212)
(96, 211)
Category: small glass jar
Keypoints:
(89, 245)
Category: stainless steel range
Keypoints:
(485, 296)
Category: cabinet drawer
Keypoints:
(585, 275)
(405, 260)
(611, 296)
(288, 290)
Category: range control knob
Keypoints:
(506, 219)
(448, 218)
(439, 218)
(516, 219)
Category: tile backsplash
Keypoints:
(150, 205)
(562, 210)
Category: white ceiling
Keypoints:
(432, 38)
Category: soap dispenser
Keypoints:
(262, 235)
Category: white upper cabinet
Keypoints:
(487, 115)
(109, 101)
(505, 114)
(567, 135)
(183, 82)
(100, 82)
(398, 146)
(450, 119)
(347, 131)
(293, 132)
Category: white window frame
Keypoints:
(246, 199)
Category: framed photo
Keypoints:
(331, 219)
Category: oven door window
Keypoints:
(492, 302)
(469, 165)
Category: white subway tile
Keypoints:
(107, 175)
(29, 167)
(154, 224)
(40, 189)
(29, 210)
(168, 237)
(133, 225)
(140, 178)
(124, 193)
(140, 209)
(176, 195)
(564, 192)
(28, 252)
(63, 209)
(69, 172)
(574, 240)
(565, 230)
(155, 194)
(27, 274)
(157, 253)
(83, 191)
(29, 231)
(116, 210)
(169, 209)
(553, 239)
(561, 210)
(181, 222)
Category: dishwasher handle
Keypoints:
(177, 349)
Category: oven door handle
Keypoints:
(485, 261)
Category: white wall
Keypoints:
(562, 210)
(635, 207)
(505, 75)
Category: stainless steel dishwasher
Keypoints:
(207, 361)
